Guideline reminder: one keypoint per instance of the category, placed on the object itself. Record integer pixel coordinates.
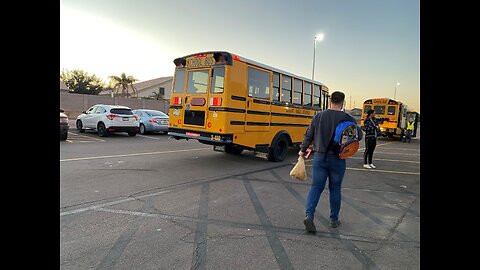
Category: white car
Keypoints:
(108, 118)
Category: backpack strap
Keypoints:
(329, 143)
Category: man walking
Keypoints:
(326, 162)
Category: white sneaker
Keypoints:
(373, 167)
(366, 166)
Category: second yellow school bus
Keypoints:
(392, 116)
(236, 104)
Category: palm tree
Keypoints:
(124, 81)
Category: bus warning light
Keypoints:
(216, 101)
(177, 100)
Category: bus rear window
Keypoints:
(179, 81)
(379, 109)
(391, 110)
(197, 82)
(218, 78)
(367, 108)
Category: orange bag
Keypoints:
(299, 172)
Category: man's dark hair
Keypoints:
(369, 112)
(337, 97)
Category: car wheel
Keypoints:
(64, 136)
(102, 131)
(80, 126)
(142, 129)
(131, 134)
(279, 149)
(165, 132)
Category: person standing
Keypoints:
(410, 126)
(326, 163)
(371, 134)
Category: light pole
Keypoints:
(319, 37)
(395, 94)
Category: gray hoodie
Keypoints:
(322, 129)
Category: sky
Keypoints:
(369, 45)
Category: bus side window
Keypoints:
(297, 91)
(307, 94)
(316, 96)
(258, 83)
(276, 87)
(286, 94)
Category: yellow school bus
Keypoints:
(392, 116)
(236, 104)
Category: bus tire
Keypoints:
(231, 149)
(279, 149)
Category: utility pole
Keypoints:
(350, 102)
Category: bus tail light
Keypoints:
(177, 100)
(216, 101)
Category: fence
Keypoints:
(74, 104)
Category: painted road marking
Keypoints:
(94, 207)
(390, 153)
(378, 145)
(385, 171)
(393, 160)
(375, 170)
(408, 149)
(131, 155)
(143, 136)
(90, 137)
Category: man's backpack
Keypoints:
(346, 139)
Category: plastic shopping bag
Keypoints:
(298, 172)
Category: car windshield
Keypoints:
(122, 111)
(156, 113)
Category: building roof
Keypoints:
(145, 84)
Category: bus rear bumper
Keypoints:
(203, 137)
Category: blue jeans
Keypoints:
(326, 166)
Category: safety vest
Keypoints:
(410, 125)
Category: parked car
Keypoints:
(108, 118)
(152, 121)
(63, 125)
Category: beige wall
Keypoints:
(74, 104)
(149, 91)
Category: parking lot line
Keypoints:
(405, 154)
(406, 149)
(393, 160)
(90, 137)
(384, 171)
(143, 136)
(130, 155)
(378, 145)
(374, 170)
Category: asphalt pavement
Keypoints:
(150, 202)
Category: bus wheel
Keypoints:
(279, 149)
(233, 150)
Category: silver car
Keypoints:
(152, 121)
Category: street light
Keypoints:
(320, 38)
(395, 94)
